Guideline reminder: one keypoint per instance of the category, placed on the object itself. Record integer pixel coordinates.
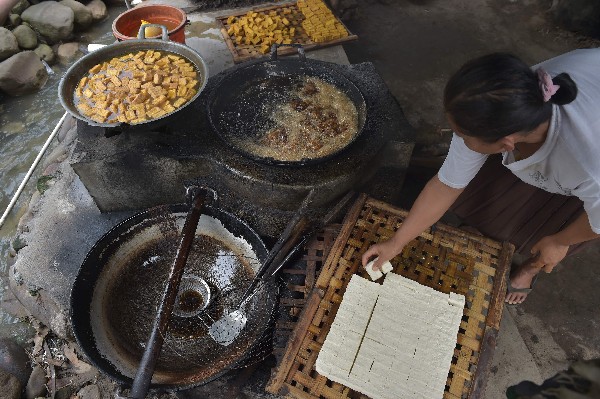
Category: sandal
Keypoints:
(511, 289)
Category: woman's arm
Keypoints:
(553, 248)
(431, 204)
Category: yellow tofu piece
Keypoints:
(179, 102)
(95, 69)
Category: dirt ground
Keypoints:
(417, 44)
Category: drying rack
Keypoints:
(444, 258)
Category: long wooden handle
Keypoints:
(143, 376)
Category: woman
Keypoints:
(545, 123)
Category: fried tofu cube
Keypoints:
(130, 115)
(159, 101)
(95, 69)
(181, 91)
(179, 102)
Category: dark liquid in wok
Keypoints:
(132, 300)
(190, 301)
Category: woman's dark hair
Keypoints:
(498, 94)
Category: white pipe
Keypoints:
(31, 169)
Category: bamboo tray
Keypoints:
(299, 279)
(444, 258)
(245, 52)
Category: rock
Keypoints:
(14, 360)
(45, 52)
(65, 392)
(11, 305)
(22, 73)
(50, 169)
(21, 6)
(52, 20)
(8, 44)
(14, 19)
(10, 387)
(26, 37)
(98, 9)
(55, 155)
(69, 125)
(36, 386)
(19, 243)
(83, 15)
(68, 52)
(89, 392)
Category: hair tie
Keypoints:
(546, 85)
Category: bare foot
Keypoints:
(521, 278)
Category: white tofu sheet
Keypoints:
(393, 340)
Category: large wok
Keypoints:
(68, 83)
(236, 105)
(118, 287)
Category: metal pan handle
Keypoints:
(299, 47)
(142, 31)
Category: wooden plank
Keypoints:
(482, 372)
(500, 286)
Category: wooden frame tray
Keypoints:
(444, 258)
(245, 52)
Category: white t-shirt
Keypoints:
(568, 162)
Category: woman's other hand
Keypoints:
(549, 253)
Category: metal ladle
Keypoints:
(143, 376)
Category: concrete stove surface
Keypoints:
(138, 170)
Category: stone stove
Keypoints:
(138, 170)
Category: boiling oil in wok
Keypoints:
(312, 120)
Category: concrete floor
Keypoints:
(416, 45)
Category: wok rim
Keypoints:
(94, 58)
(77, 318)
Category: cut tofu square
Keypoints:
(393, 340)
(377, 274)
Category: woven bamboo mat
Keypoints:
(245, 52)
(299, 280)
(444, 258)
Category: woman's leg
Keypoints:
(502, 207)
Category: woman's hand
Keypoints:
(384, 251)
(549, 253)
